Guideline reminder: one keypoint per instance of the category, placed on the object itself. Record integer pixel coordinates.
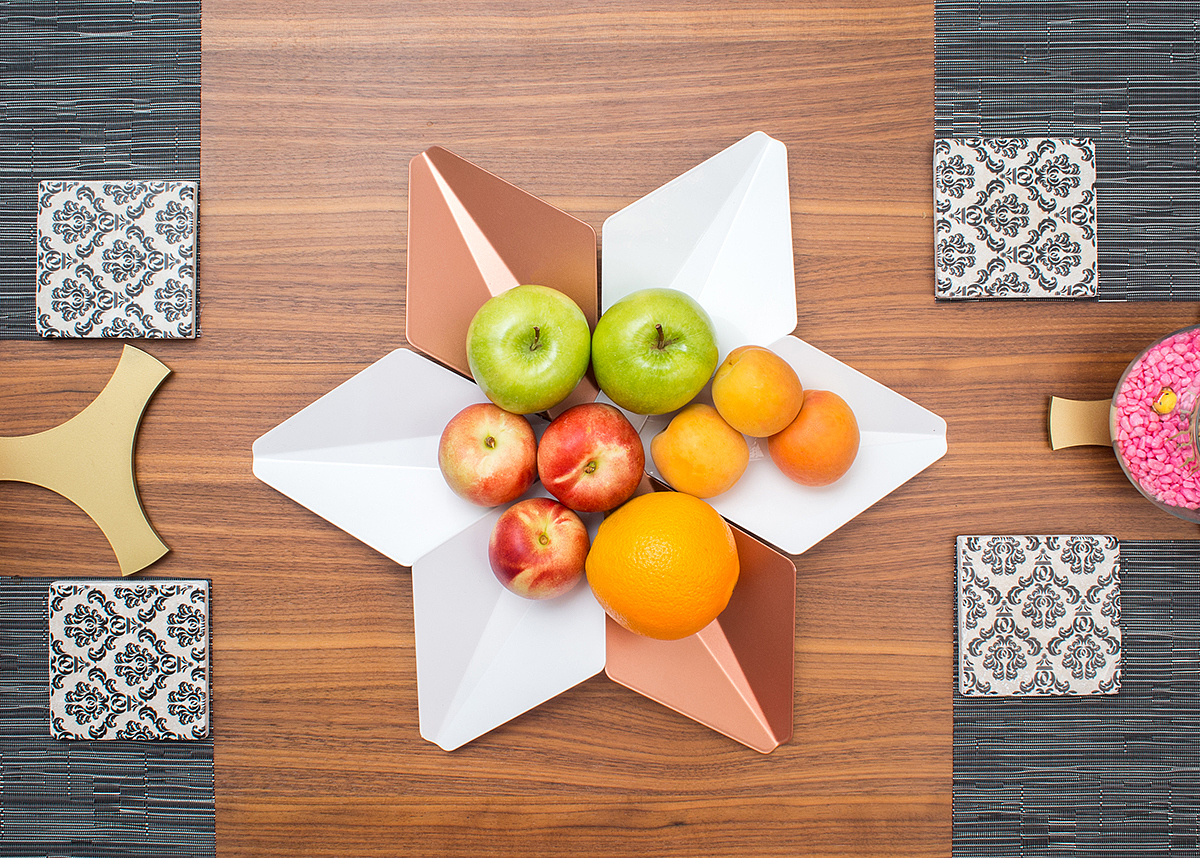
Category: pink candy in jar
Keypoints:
(1153, 420)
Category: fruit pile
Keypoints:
(662, 564)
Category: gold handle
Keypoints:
(1076, 423)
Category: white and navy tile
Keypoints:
(116, 259)
(129, 660)
(1039, 615)
(1016, 218)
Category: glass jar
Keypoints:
(1153, 423)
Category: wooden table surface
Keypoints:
(311, 113)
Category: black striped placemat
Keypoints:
(74, 799)
(1107, 775)
(1126, 74)
(89, 89)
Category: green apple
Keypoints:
(654, 350)
(528, 348)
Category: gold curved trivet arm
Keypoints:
(89, 459)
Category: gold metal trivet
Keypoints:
(89, 459)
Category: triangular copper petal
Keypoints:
(472, 235)
(736, 675)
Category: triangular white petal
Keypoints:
(721, 232)
(485, 655)
(364, 456)
(899, 440)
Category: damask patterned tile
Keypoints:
(129, 660)
(1016, 218)
(116, 259)
(1039, 615)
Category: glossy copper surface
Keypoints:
(735, 675)
(472, 235)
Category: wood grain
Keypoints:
(311, 113)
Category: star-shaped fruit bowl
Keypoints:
(364, 455)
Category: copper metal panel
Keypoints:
(735, 675)
(472, 235)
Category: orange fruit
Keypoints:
(663, 565)
(820, 445)
(699, 453)
(757, 391)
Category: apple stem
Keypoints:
(543, 539)
(490, 442)
(661, 338)
(537, 335)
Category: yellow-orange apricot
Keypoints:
(699, 453)
(821, 444)
(756, 391)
